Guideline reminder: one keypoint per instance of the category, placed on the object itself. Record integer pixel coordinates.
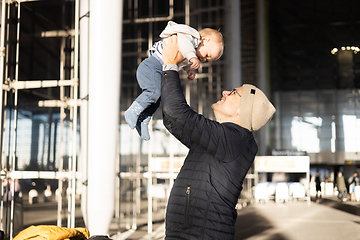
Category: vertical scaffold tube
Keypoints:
(2, 69)
(84, 92)
(13, 154)
(74, 137)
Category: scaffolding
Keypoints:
(12, 10)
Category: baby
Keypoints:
(196, 46)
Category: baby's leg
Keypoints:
(149, 78)
(153, 98)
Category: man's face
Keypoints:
(208, 50)
(229, 104)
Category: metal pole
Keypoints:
(74, 142)
(187, 22)
(15, 121)
(12, 168)
(2, 57)
(5, 164)
(84, 94)
(70, 143)
(137, 189)
(150, 183)
(308, 183)
(172, 145)
(61, 147)
(2, 106)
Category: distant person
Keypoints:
(355, 186)
(202, 202)
(7, 184)
(351, 187)
(196, 46)
(318, 186)
(341, 186)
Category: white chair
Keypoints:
(32, 195)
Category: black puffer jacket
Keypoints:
(203, 199)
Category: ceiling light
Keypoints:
(347, 48)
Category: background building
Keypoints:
(314, 69)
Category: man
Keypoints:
(203, 199)
(318, 186)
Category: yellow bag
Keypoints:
(48, 232)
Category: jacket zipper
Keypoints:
(187, 196)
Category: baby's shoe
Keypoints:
(142, 126)
(132, 113)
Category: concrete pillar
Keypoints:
(104, 107)
(233, 44)
(262, 75)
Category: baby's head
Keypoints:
(211, 47)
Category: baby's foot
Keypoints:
(142, 126)
(132, 113)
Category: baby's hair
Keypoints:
(215, 36)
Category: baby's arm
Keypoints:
(190, 72)
(187, 46)
(191, 75)
(195, 63)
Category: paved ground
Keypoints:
(299, 220)
(328, 219)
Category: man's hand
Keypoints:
(171, 54)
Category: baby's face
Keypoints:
(208, 50)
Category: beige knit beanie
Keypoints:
(255, 109)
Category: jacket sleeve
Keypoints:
(189, 127)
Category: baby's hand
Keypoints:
(191, 75)
(195, 63)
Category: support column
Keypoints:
(104, 109)
(262, 75)
(233, 44)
